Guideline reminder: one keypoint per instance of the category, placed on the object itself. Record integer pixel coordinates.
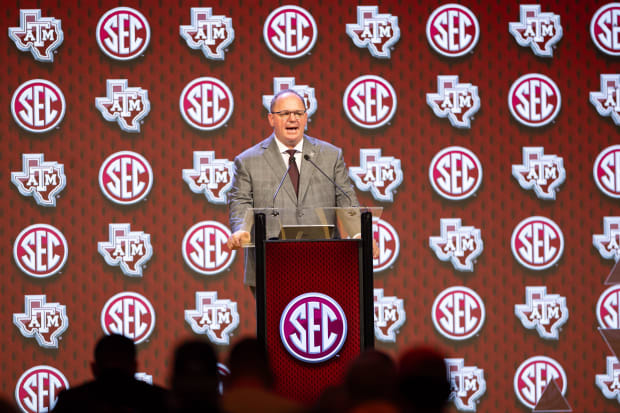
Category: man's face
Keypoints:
(289, 129)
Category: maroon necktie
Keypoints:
(293, 171)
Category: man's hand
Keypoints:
(375, 249)
(238, 239)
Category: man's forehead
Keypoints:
(288, 101)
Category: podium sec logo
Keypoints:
(313, 327)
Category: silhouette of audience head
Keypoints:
(422, 380)
(248, 362)
(194, 378)
(371, 376)
(114, 355)
(7, 407)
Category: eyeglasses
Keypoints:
(284, 114)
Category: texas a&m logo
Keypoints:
(609, 383)
(607, 100)
(39, 35)
(608, 308)
(129, 314)
(460, 245)
(42, 320)
(456, 101)
(458, 313)
(544, 312)
(39, 179)
(211, 34)
(211, 177)
(607, 171)
(369, 101)
(217, 318)
(40, 250)
(455, 173)
(389, 316)
(608, 243)
(380, 175)
(38, 105)
(388, 242)
(539, 172)
(313, 327)
(127, 249)
(205, 250)
(290, 32)
(537, 243)
(206, 103)
(376, 31)
(37, 389)
(305, 91)
(605, 29)
(538, 30)
(452, 30)
(533, 376)
(534, 100)
(467, 384)
(125, 105)
(123, 33)
(125, 177)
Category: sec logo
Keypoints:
(537, 243)
(313, 327)
(455, 173)
(129, 314)
(38, 106)
(205, 250)
(123, 33)
(40, 250)
(37, 389)
(607, 171)
(388, 242)
(290, 32)
(125, 177)
(605, 29)
(458, 313)
(533, 376)
(452, 30)
(206, 103)
(608, 308)
(534, 100)
(369, 101)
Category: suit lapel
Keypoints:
(307, 169)
(274, 159)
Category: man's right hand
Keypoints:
(238, 239)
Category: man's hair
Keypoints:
(115, 352)
(283, 92)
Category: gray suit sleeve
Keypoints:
(240, 195)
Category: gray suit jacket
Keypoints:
(258, 172)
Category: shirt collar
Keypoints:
(283, 148)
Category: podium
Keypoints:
(314, 293)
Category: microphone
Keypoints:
(273, 205)
(307, 158)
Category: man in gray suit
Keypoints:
(259, 170)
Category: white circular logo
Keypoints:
(205, 250)
(607, 171)
(533, 376)
(40, 250)
(290, 32)
(206, 103)
(455, 173)
(458, 313)
(129, 314)
(123, 33)
(369, 101)
(37, 389)
(605, 29)
(534, 100)
(125, 177)
(452, 30)
(313, 327)
(537, 243)
(388, 242)
(608, 308)
(38, 105)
